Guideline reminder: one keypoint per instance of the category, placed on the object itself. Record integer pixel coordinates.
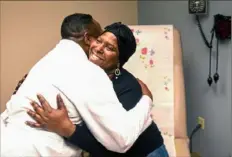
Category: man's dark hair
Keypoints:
(75, 25)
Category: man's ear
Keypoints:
(87, 39)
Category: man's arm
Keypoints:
(57, 120)
(95, 99)
(80, 135)
(129, 92)
(104, 115)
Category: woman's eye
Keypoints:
(109, 49)
(98, 41)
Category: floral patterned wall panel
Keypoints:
(153, 64)
(153, 61)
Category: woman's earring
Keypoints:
(117, 72)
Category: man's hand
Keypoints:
(145, 89)
(54, 120)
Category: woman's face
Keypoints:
(104, 51)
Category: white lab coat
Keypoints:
(86, 90)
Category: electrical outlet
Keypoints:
(201, 121)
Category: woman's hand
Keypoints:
(54, 120)
(145, 89)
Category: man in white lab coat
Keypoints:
(88, 94)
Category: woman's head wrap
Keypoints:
(126, 41)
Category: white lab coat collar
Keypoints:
(69, 46)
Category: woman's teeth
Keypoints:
(95, 57)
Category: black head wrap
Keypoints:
(126, 41)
